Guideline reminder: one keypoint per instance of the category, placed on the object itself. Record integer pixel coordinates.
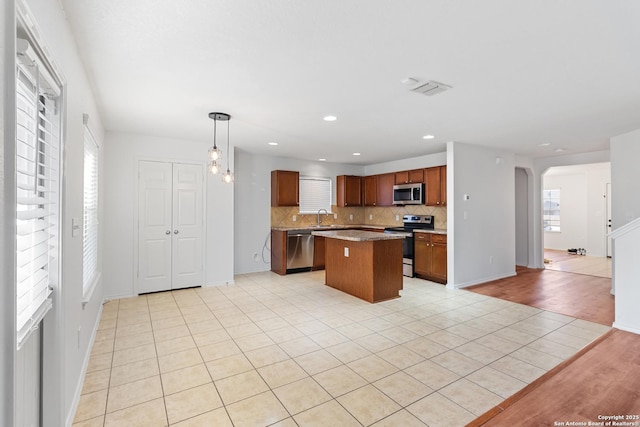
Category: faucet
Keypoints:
(325, 212)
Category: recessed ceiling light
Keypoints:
(273, 143)
(330, 118)
(356, 154)
(560, 150)
(428, 137)
(322, 160)
(544, 144)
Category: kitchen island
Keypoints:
(365, 264)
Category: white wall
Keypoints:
(522, 216)
(122, 152)
(66, 353)
(481, 230)
(253, 202)
(583, 219)
(7, 223)
(417, 162)
(625, 178)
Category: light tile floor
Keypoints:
(581, 264)
(287, 351)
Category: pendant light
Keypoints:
(228, 176)
(215, 154)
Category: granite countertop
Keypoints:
(436, 231)
(329, 227)
(356, 235)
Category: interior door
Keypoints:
(155, 184)
(187, 226)
(170, 226)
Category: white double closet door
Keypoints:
(170, 226)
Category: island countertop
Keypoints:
(356, 235)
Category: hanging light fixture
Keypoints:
(215, 154)
(228, 176)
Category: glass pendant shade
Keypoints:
(215, 154)
(214, 168)
(227, 177)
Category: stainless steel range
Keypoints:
(411, 222)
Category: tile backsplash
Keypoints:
(385, 216)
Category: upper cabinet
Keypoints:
(284, 188)
(436, 186)
(349, 190)
(409, 177)
(384, 189)
(370, 189)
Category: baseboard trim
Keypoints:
(85, 364)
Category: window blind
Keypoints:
(90, 219)
(315, 194)
(37, 193)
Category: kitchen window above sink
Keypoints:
(315, 194)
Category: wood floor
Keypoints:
(604, 380)
(577, 295)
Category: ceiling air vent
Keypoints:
(431, 88)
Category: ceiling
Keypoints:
(524, 73)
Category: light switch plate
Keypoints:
(346, 252)
(76, 226)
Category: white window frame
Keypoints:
(551, 222)
(90, 229)
(38, 189)
(315, 194)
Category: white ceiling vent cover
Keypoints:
(431, 88)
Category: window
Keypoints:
(315, 194)
(90, 218)
(38, 161)
(551, 210)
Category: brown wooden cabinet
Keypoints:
(409, 177)
(349, 190)
(370, 188)
(430, 256)
(436, 186)
(318, 252)
(284, 188)
(279, 251)
(384, 189)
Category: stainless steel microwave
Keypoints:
(408, 194)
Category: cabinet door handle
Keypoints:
(167, 232)
(175, 231)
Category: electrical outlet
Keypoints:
(350, 217)
(256, 257)
(346, 252)
(370, 216)
(335, 216)
(294, 218)
(490, 259)
(397, 217)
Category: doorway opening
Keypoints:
(576, 218)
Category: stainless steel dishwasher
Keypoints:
(299, 250)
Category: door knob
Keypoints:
(167, 232)
(175, 231)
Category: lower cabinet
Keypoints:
(279, 251)
(318, 253)
(430, 256)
